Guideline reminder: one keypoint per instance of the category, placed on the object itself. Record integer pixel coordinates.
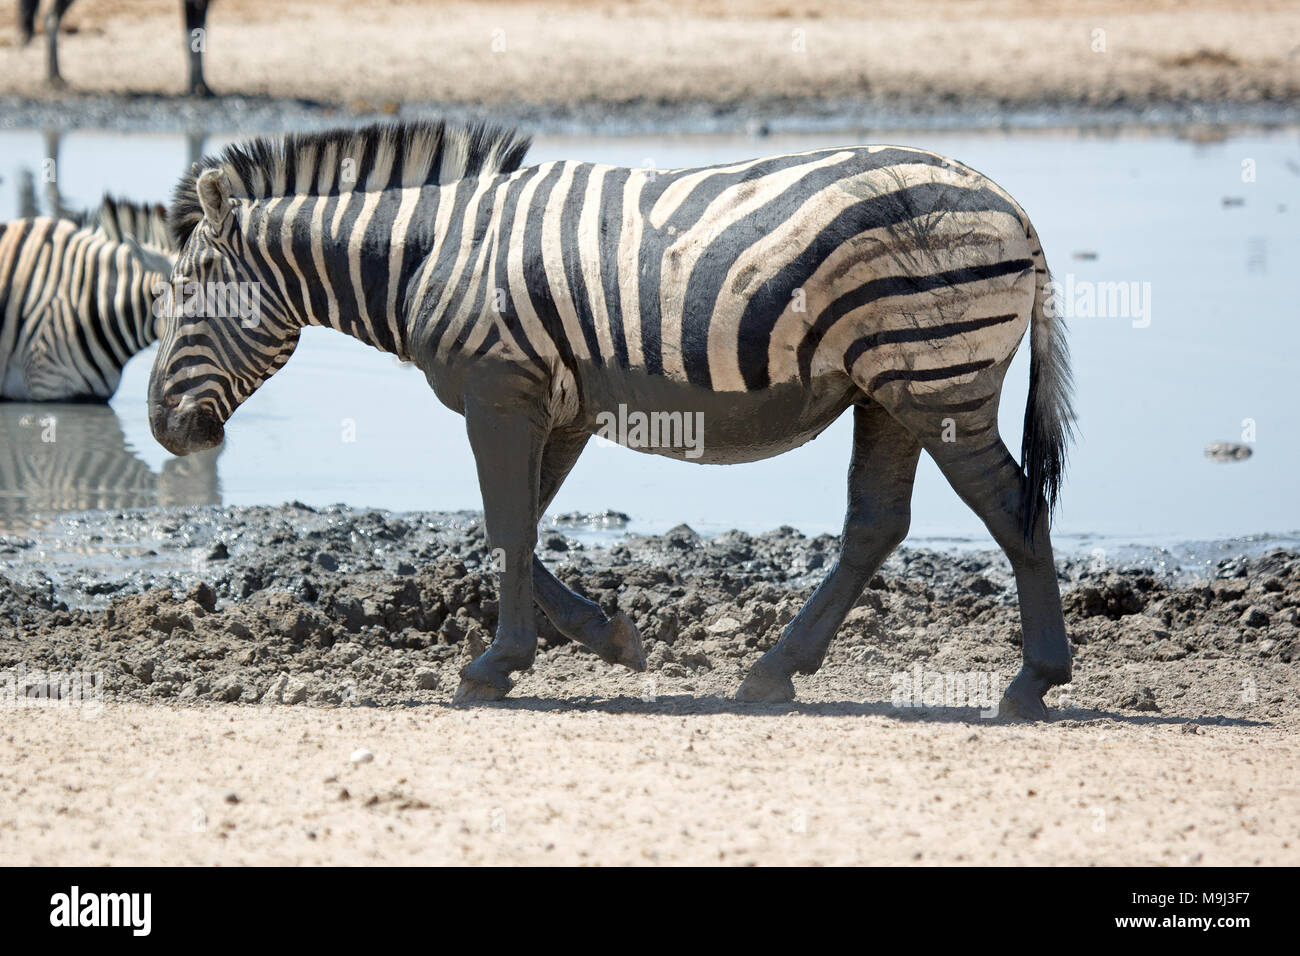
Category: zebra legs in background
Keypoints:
(879, 512)
(196, 19)
(612, 639)
(53, 17)
(194, 11)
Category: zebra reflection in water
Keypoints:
(56, 458)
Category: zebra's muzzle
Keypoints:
(186, 427)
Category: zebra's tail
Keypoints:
(27, 20)
(1049, 411)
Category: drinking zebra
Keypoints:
(195, 13)
(77, 300)
(766, 297)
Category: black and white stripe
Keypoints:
(77, 299)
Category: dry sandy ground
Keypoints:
(275, 785)
(668, 51)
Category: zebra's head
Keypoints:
(213, 352)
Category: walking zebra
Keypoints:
(77, 300)
(195, 13)
(765, 297)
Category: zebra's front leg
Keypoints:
(879, 512)
(506, 436)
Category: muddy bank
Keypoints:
(295, 605)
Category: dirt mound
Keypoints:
(295, 605)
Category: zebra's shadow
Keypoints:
(59, 457)
(680, 705)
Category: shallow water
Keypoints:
(1202, 353)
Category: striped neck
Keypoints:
(343, 261)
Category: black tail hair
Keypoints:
(1049, 413)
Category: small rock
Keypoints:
(724, 627)
(361, 755)
(1254, 616)
(295, 692)
(232, 797)
(426, 679)
(203, 595)
(275, 693)
(1142, 699)
(219, 552)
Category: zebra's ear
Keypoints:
(214, 196)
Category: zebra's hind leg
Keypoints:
(879, 512)
(506, 437)
(612, 639)
(970, 453)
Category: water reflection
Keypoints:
(76, 458)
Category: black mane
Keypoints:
(385, 155)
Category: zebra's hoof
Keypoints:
(473, 691)
(481, 683)
(626, 641)
(762, 685)
(1015, 706)
(1022, 702)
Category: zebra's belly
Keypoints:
(679, 420)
